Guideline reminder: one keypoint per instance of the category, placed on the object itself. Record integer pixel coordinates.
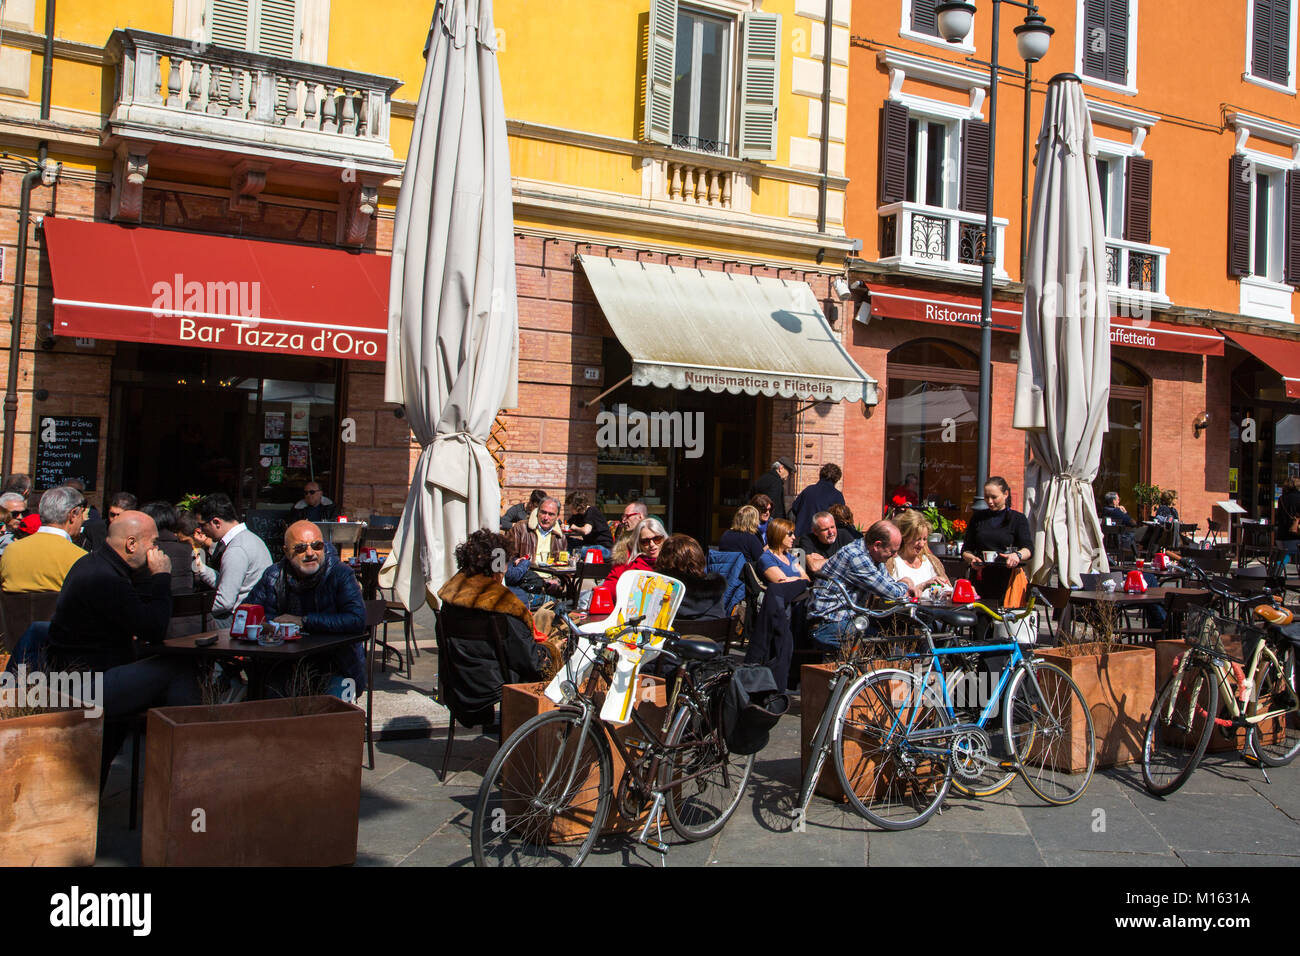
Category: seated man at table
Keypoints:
(547, 538)
(310, 586)
(314, 506)
(41, 561)
(821, 542)
(860, 568)
(111, 598)
(587, 526)
(237, 561)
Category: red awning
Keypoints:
(898, 302)
(182, 288)
(1161, 337)
(1281, 355)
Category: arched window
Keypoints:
(932, 423)
(1124, 449)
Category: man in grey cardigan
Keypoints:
(237, 561)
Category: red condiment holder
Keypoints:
(963, 592)
(602, 603)
(1135, 583)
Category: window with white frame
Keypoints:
(1270, 42)
(1264, 231)
(711, 81)
(932, 163)
(1107, 43)
(1110, 177)
(260, 26)
(1268, 224)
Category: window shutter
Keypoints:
(1291, 274)
(758, 85)
(975, 141)
(228, 23)
(1137, 200)
(1117, 42)
(893, 152)
(1261, 40)
(924, 19)
(1239, 190)
(1279, 61)
(277, 28)
(659, 71)
(1094, 38)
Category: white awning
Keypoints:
(724, 331)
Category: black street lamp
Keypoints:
(955, 18)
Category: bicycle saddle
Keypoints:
(1273, 614)
(952, 616)
(696, 649)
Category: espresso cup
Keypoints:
(990, 557)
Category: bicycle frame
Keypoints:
(1222, 667)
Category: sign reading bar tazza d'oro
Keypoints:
(67, 447)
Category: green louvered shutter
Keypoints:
(759, 78)
(660, 74)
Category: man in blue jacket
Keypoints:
(312, 587)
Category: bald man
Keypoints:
(312, 587)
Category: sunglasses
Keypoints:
(302, 546)
(658, 539)
(313, 491)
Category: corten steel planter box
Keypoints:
(1119, 688)
(278, 781)
(520, 702)
(49, 789)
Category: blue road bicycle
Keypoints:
(898, 739)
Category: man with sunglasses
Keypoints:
(41, 561)
(310, 586)
(237, 562)
(314, 506)
(13, 508)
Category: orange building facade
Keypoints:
(1198, 134)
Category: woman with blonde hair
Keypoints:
(743, 535)
(915, 562)
(647, 538)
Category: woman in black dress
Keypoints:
(999, 529)
(743, 535)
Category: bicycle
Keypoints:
(1258, 688)
(547, 792)
(896, 741)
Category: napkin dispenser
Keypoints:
(1135, 583)
(246, 615)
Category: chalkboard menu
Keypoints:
(67, 446)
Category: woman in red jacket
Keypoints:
(647, 538)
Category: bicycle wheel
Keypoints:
(1049, 732)
(886, 778)
(545, 794)
(1277, 740)
(700, 806)
(1179, 729)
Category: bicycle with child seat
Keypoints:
(1247, 661)
(548, 791)
(898, 744)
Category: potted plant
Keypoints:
(49, 810)
(259, 783)
(1147, 497)
(1117, 682)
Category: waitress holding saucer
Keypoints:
(1000, 529)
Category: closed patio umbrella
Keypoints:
(1063, 372)
(452, 316)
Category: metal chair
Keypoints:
(375, 611)
(195, 604)
(456, 625)
(1254, 542)
(377, 538)
(754, 591)
(718, 630)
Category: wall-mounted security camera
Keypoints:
(841, 287)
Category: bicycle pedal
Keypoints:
(1007, 765)
(657, 845)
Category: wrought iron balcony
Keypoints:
(924, 238)
(170, 90)
(1135, 269)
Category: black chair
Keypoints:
(1059, 605)
(1176, 606)
(195, 604)
(1254, 543)
(718, 630)
(20, 609)
(381, 539)
(1148, 539)
(375, 611)
(754, 591)
(464, 625)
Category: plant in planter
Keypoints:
(1117, 681)
(1147, 497)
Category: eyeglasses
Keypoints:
(312, 491)
(657, 539)
(302, 546)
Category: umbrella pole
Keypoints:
(987, 261)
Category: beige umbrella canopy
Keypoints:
(1063, 375)
(452, 315)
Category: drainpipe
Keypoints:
(826, 115)
(47, 68)
(30, 179)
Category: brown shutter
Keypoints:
(1117, 42)
(1137, 200)
(893, 152)
(1279, 60)
(1261, 40)
(1291, 273)
(1239, 183)
(1094, 35)
(974, 166)
(924, 19)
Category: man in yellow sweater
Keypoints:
(41, 561)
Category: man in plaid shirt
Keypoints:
(860, 567)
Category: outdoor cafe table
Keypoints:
(257, 658)
(1085, 605)
(569, 577)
